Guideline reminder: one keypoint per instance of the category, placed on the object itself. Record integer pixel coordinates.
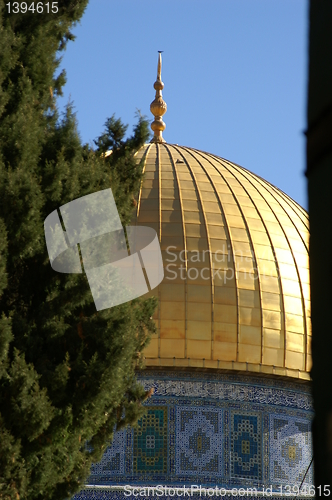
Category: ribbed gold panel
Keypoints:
(236, 289)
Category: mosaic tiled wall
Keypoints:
(213, 429)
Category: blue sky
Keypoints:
(235, 75)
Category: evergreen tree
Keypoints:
(67, 373)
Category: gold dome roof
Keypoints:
(235, 294)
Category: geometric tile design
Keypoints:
(150, 442)
(246, 458)
(198, 440)
(211, 429)
(290, 450)
(226, 388)
(113, 459)
(89, 494)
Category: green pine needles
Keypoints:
(67, 373)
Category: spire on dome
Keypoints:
(158, 107)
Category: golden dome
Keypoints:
(235, 294)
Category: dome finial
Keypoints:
(158, 107)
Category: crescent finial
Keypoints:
(158, 106)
